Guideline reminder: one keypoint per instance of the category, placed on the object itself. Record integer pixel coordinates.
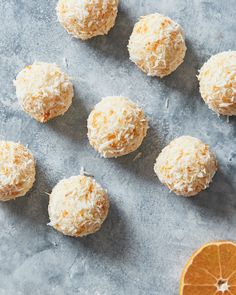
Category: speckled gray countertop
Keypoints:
(149, 233)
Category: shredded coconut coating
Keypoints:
(116, 126)
(157, 45)
(186, 166)
(85, 19)
(217, 80)
(78, 206)
(44, 91)
(17, 170)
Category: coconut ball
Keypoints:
(78, 206)
(85, 19)
(44, 91)
(217, 80)
(17, 170)
(186, 166)
(157, 45)
(116, 126)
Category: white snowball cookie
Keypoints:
(116, 126)
(157, 45)
(17, 170)
(217, 80)
(85, 19)
(78, 206)
(44, 91)
(186, 166)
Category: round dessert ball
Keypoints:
(186, 166)
(85, 19)
(44, 91)
(78, 206)
(157, 45)
(116, 126)
(17, 170)
(217, 80)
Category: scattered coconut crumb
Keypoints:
(138, 156)
(65, 62)
(83, 172)
(167, 102)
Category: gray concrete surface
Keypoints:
(149, 233)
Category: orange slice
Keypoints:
(211, 270)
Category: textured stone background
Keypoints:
(149, 233)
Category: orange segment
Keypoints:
(205, 268)
(199, 290)
(232, 279)
(232, 290)
(211, 270)
(227, 253)
(199, 276)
